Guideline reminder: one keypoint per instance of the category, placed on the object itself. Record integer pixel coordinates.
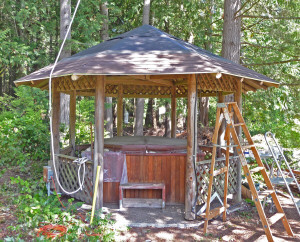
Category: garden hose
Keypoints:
(50, 114)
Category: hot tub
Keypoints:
(151, 159)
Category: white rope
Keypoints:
(80, 161)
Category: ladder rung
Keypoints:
(263, 194)
(247, 146)
(239, 124)
(220, 171)
(275, 218)
(257, 169)
(214, 212)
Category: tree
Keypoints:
(140, 102)
(231, 47)
(108, 100)
(65, 20)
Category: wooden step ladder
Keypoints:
(224, 111)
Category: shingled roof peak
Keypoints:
(145, 50)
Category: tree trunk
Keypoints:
(65, 20)
(204, 107)
(204, 101)
(149, 116)
(146, 12)
(139, 110)
(108, 114)
(139, 116)
(231, 47)
(154, 114)
(104, 11)
(168, 120)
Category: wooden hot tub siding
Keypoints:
(167, 168)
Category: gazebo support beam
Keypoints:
(72, 121)
(173, 112)
(221, 141)
(99, 137)
(190, 183)
(120, 111)
(55, 125)
(238, 99)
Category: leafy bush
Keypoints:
(274, 110)
(24, 128)
(35, 209)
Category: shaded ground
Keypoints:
(240, 226)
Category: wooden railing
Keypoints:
(68, 177)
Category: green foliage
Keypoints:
(85, 112)
(274, 110)
(35, 209)
(250, 202)
(24, 126)
(29, 39)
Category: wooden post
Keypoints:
(72, 121)
(190, 184)
(55, 127)
(238, 98)
(120, 111)
(221, 134)
(173, 112)
(99, 137)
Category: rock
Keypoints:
(226, 238)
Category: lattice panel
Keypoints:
(68, 178)
(181, 91)
(83, 83)
(209, 82)
(111, 89)
(147, 90)
(203, 168)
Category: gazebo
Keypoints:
(144, 63)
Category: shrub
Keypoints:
(24, 126)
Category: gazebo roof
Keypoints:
(147, 50)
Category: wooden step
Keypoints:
(257, 169)
(247, 146)
(214, 212)
(220, 171)
(263, 194)
(142, 203)
(239, 124)
(275, 218)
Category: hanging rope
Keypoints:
(80, 161)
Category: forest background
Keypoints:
(30, 38)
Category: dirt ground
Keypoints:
(240, 226)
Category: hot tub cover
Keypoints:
(145, 144)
